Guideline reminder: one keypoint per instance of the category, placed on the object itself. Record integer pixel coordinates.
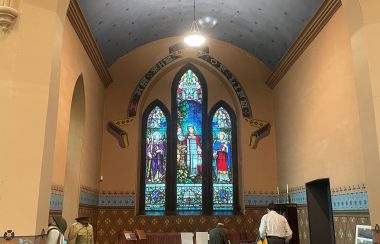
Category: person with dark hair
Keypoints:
(218, 235)
(275, 227)
(56, 230)
(81, 232)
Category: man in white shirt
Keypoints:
(275, 228)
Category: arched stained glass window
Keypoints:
(222, 162)
(156, 141)
(189, 159)
(189, 155)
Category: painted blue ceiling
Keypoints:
(264, 28)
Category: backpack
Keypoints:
(59, 236)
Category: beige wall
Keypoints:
(74, 63)
(316, 112)
(120, 166)
(29, 77)
(363, 23)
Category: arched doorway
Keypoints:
(74, 153)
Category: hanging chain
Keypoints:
(194, 10)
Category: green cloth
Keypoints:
(218, 235)
(81, 233)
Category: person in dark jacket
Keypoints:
(218, 235)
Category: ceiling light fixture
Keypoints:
(195, 38)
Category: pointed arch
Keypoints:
(223, 158)
(189, 113)
(155, 155)
(76, 128)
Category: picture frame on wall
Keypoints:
(363, 234)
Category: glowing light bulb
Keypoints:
(195, 40)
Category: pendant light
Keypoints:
(194, 39)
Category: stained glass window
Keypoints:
(178, 154)
(156, 160)
(222, 174)
(189, 142)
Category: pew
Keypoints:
(154, 238)
(175, 238)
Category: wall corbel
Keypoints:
(115, 127)
(8, 14)
(262, 131)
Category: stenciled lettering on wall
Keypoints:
(143, 83)
(180, 46)
(243, 99)
(115, 127)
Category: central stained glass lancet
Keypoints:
(189, 142)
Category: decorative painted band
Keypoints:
(22, 239)
(259, 199)
(56, 202)
(87, 198)
(117, 200)
(354, 201)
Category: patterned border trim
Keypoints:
(144, 81)
(352, 201)
(56, 202)
(234, 82)
(56, 198)
(334, 191)
(23, 240)
(179, 46)
(57, 189)
(259, 200)
(87, 198)
(348, 198)
(348, 189)
(117, 200)
(343, 198)
(89, 190)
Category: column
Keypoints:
(30, 53)
(363, 22)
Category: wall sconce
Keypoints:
(7, 14)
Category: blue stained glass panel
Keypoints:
(156, 159)
(222, 160)
(223, 196)
(155, 197)
(189, 142)
(189, 197)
